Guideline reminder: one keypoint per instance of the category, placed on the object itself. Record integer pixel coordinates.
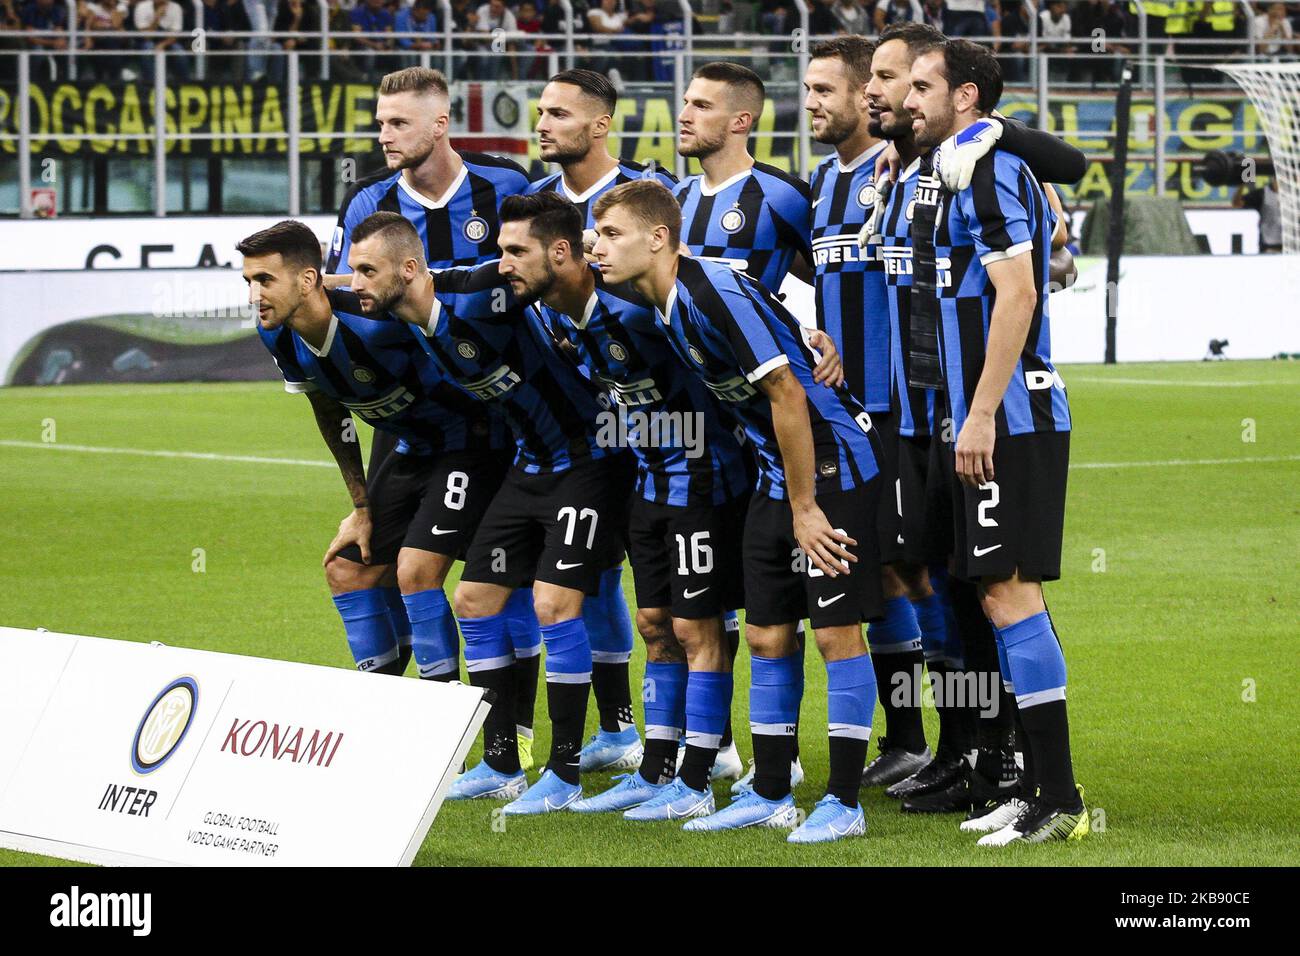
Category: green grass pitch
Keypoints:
(1183, 488)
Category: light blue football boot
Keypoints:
(749, 810)
(606, 750)
(830, 820)
(675, 801)
(632, 790)
(548, 795)
(484, 783)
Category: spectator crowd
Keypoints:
(615, 35)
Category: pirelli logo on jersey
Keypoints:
(396, 401)
(632, 394)
(927, 191)
(896, 259)
(943, 272)
(834, 249)
(492, 386)
(732, 390)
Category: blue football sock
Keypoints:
(435, 641)
(490, 659)
(609, 629)
(664, 695)
(526, 636)
(1037, 666)
(708, 705)
(568, 677)
(521, 622)
(368, 627)
(776, 686)
(899, 666)
(851, 698)
(401, 625)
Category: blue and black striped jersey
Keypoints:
(914, 407)
(381, 373)
(732, 333)
(756, 222)
(459, 229)
(684, 446)
(1000, 215)
(501, 353)
(850, 282)
(625, 172)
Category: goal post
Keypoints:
(1274, 89)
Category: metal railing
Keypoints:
(332, 44)
(1047, 87)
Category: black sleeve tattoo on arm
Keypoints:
(340, 434)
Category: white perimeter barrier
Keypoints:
(1169, 307)
(123, 753)
(183, 242)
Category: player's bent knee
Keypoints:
(344, 576)
(916, 580)
(421, 570)
(1009, 600)
(554, 604)
(778, 641)
(653, 623)
(891, 584)
(840, 643)
(473, 599)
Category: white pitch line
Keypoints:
(313, 463)
(101, 392)
(1175, 462)
(1158, 381)
(156, 453)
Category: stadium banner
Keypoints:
(144, 242)
(208, 242)
(179, 325)
(1171, 306)
(119, 752)
(249, 120)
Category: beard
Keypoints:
(898, 128)
(532, 291)
(566, 153)
(384, 298)
(837, 129)
(414, 159)
(702, 147)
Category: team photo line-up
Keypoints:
(600, 365)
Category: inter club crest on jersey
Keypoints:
(476, 229)
(732, 221)
(363, 375)
(867, 195)
(466, 349)
(695, 354)
(617, 352)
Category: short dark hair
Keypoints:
(295, 243)
(596, 85)
(967, 62)
(549, 216)
(917, 36)
(851, 50)
(741, 79)
(650, 203)
(395, 230)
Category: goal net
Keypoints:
(1274, 89)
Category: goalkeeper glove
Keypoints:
(956, 156)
